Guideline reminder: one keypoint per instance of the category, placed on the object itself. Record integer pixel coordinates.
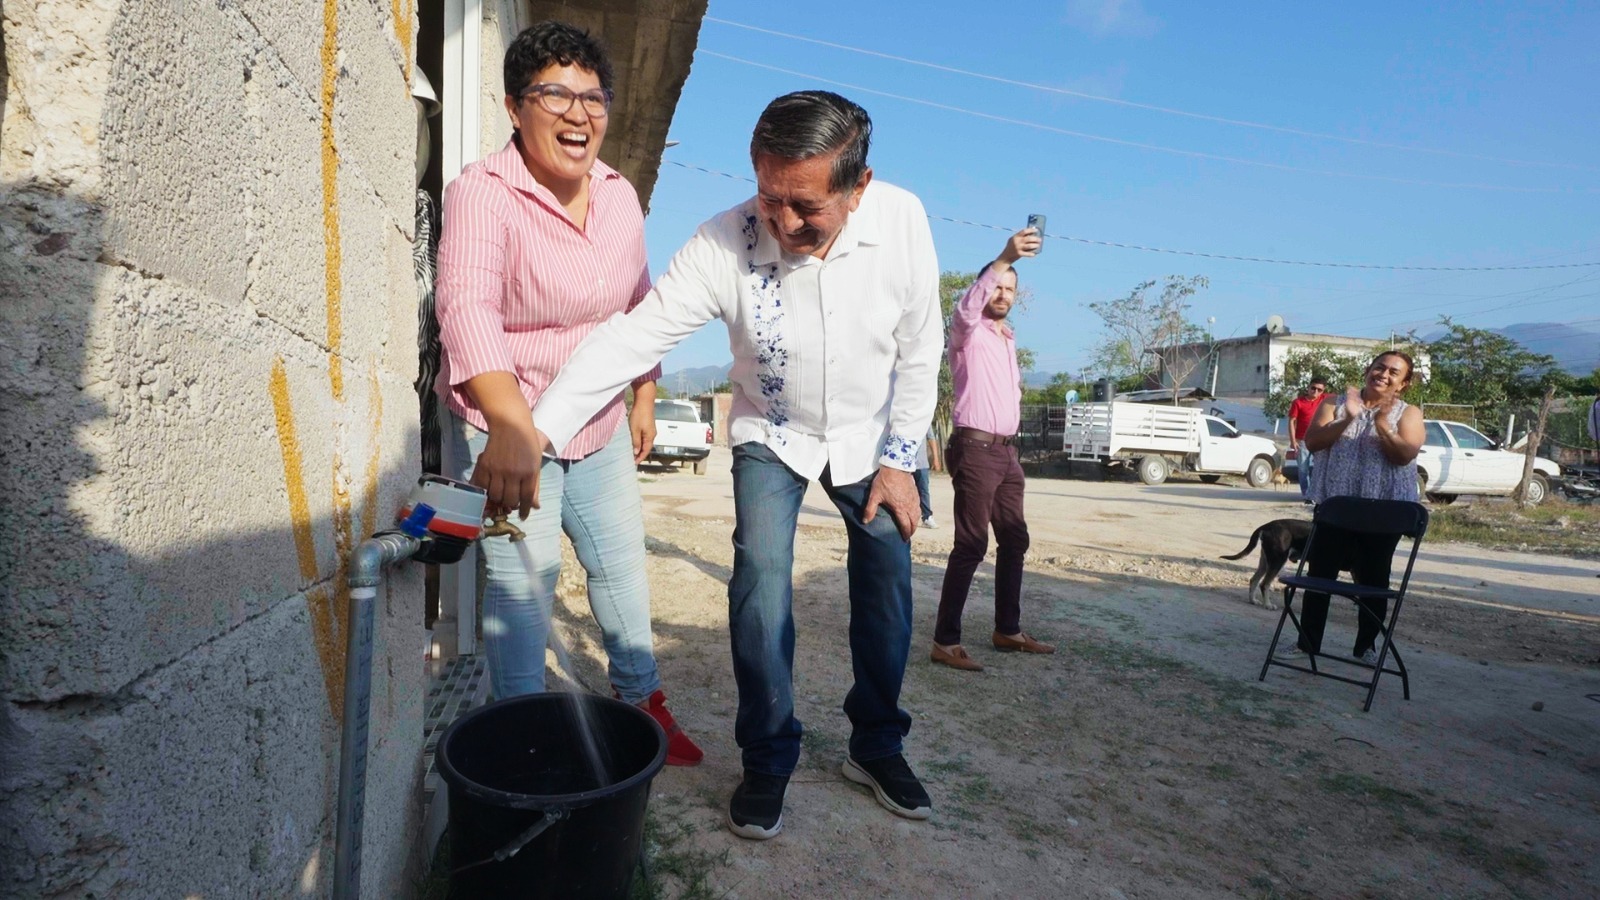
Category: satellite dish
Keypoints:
(1275, 325)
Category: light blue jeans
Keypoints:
(1302, 470)
(595, 500)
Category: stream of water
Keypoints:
(576, 696)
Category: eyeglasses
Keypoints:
(558, 99)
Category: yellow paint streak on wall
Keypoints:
(323, 625)
(293, 473)
(344, 543)
(369, 500)
(333, 255)
(402, 30)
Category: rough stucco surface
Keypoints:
(167, 727)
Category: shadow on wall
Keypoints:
(168, 726)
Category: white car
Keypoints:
(1458, 459)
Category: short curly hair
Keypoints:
(553, 43)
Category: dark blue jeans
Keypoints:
(766, 497)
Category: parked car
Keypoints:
(680, 435)
(1458, 459)
(1158, 440)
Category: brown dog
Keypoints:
(1281, 540)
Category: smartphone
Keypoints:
(1036, 220)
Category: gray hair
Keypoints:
(808, 124)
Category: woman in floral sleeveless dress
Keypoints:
(1366, 446)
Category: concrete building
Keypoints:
(210, 335)
(1247, 367)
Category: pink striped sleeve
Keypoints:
(471, 277)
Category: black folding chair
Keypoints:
(1389, 517)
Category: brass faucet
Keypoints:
(499, 526)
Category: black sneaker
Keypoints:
(756, 809)
(894, 784)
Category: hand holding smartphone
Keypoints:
(1036, 221)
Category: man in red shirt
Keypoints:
(1301, 411)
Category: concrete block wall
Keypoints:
(208, 337)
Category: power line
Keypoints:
(1140, 145)
(1167, 110)
(1200, 253)
(1456, 305)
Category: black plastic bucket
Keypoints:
(530, 816)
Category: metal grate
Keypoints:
(461, 686)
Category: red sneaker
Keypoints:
(681, 751)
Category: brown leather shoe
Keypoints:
(956, 658)
(1021, 641)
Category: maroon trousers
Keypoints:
(988, 482)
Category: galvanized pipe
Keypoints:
(366, 567)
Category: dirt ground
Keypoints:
(1144, 759)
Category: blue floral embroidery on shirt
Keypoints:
(752, 234)
(766, 331)
(901, 450)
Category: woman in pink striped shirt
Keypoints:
(542, 242)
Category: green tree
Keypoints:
(1487, 369)
(1339, 368)
(1055, 392)
(952, 285)
(1490, 372)
(1025, 359)
(1140, 324)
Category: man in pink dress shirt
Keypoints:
(982, 458)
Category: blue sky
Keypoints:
(1401, 135)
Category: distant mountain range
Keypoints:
(691, 382)
(1576, 349)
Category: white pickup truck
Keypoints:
(680, 435)
(1159, 440)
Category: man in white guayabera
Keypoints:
(829, 287)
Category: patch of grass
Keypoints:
(1369, 789)
(1222, 771)
(1306, 758)
(1168, 682)
(956, 765)
(822, 750)
(1568, 529)
(1032, 830)
(967, 794)
(976, 790)
(669, 857)
(1495, 860)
